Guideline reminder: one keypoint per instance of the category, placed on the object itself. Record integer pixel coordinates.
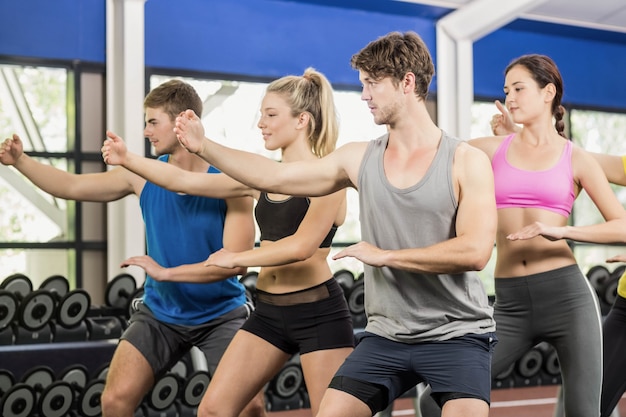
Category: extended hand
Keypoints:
(147, 264)
(223, 258)
(538, 229)
(189, 131)
(503, 124)
(11, 150)
(114, 149)
(364, 252)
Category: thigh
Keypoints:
(381, 369)
(513, 316)
(246, 366)
(160, 345)
(214, 340)
(319, 367)
(579, 349)
(127, 360)
(459, 368)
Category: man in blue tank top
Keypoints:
(428, 222)
(176, 313)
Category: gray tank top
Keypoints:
(405, 306)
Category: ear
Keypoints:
(550, 92)
(303, 120)
(408, 83)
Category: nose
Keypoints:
(365, 95)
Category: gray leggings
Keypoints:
(558, 307)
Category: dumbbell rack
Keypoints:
(55, 346)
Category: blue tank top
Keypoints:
(185, 229)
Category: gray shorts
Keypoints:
(163, 344)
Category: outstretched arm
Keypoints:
(168, 176)
(303, 178)
(102, 186)
(197, 272)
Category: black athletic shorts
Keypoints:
(304, 321)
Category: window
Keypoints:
(41, 235)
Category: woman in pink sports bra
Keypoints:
(541, 293)
(614, 324)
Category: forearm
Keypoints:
(613, 231)
(275, 254)
(450, 257)
(237, 164)
(163, 175)
(197, 273)
(51, 180)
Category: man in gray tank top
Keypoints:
(428, 222)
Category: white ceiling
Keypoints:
(607, 15)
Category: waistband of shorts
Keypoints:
(308, 295)
(558, 273)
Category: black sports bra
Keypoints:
(279, 219)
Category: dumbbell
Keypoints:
(285, 388)
(356, 303)
(551, 365)
(34, 308)
(16, 400)
(53, 398)
(248, 280)
(108, 322)
(8, 313)
(194, 388)
(71, 308)
(121, 291)
(608, 291)
(597, 275)
(77, 377)
(88, 404)
(505, 378)
(529, 366)
(161, 400)
(345, 279)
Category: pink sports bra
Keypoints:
(551, 189)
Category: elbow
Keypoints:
(480, 257)
(302, 252)
(240, 270)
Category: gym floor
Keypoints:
(509, 402)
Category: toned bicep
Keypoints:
(613, 167)
(477, 216)
(102, 186)
(593, 180)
